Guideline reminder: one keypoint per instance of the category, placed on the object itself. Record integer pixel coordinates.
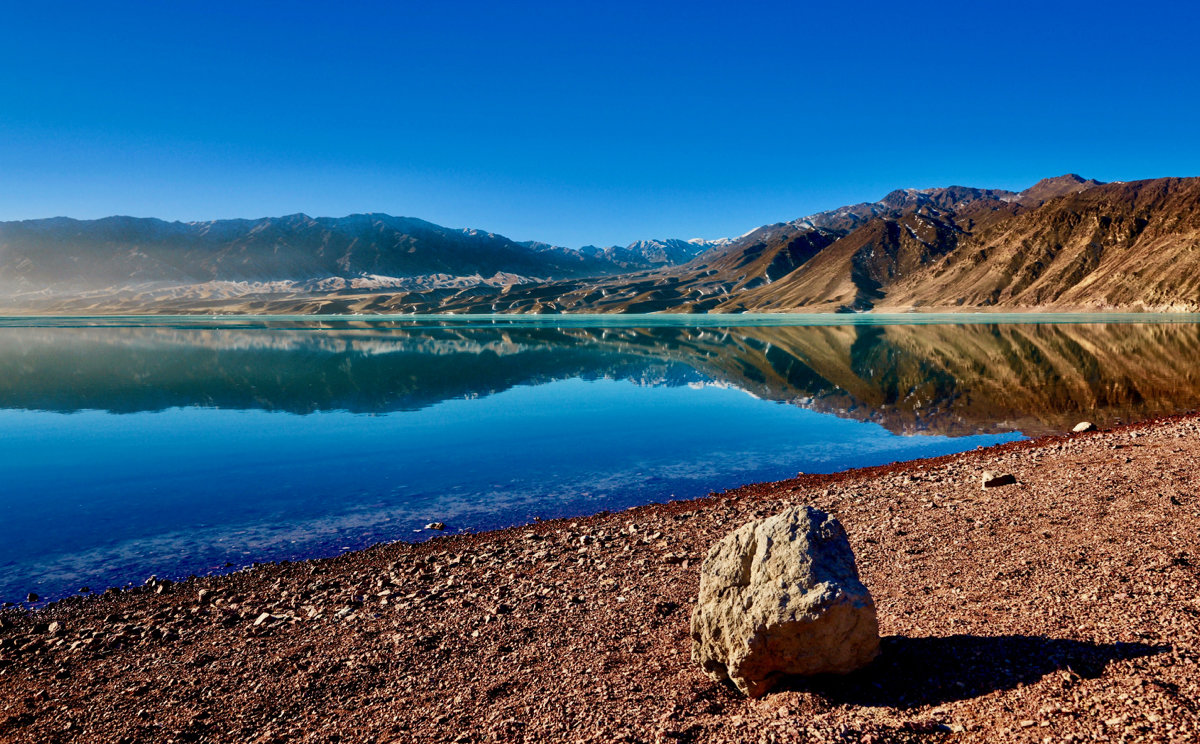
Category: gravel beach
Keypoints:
(1064, 607)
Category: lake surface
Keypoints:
(178, 446)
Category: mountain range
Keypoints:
(1065, 243)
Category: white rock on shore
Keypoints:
(782, 596)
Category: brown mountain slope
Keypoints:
(1123, 245)
(852, 272)
(1065, 244)
(855, 272)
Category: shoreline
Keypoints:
(578, 628)
(873, 317)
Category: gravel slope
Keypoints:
(1062, 608)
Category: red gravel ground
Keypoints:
(1062, 608)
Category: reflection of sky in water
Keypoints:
(97, 499)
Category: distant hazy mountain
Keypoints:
(64, 252)
(647, 254)
(140, 261)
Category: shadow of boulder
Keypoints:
(913, 672)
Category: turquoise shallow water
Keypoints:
(592, 320)
(174, 446)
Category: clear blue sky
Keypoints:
(578, 123)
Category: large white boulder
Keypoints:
(782, 596)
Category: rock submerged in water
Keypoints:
(781, 596)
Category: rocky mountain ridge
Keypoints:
(1065, 243)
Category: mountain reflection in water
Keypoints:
(943, 379)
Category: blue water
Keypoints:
(189, 448)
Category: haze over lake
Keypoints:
(179, 446)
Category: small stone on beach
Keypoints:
(995, 480)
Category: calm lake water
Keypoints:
(186, 446)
